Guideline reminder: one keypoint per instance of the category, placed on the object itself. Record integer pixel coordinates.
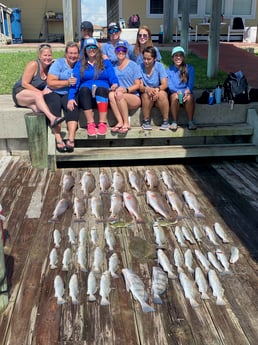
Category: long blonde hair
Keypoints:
(149, 43)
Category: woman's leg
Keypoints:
(163, 105)
(85, 102)
(72, 118)
(116, 112)
(147, 104)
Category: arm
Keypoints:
(28, 74)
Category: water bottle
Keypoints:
(218, 93)
(93, 90)
(211, 98)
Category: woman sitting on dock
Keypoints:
(60, 77)
(153, 88)
(29, 91)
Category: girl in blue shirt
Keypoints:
(180, 85)
(153, 88)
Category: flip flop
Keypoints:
(115, 129)
(69, 145)
(57, 121)
(123, 130)
(61, 149)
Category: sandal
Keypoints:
(59, 148)
(69, 145)
(57, 121)
(123, 130)
(116, 129)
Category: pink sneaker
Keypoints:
(102, 128)
(92, 129)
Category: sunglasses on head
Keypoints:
(44, 45)
(91, 47)
(121, 49)
(113, 31)
(143, 36)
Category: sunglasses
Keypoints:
(91, 47)
(121, 49)
(143, 36)
(44, 45)
(113, 31)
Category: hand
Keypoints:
(71, 104)
(72, 81)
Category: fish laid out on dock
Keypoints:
(189, 289)
(60, 209)
(105, 288)
(57, 238)
(67, 259)
(216, 286)
(155, 200)
(210, 235)
(68, 182)
(59, 289)
(79, 209)
(97, 207)
(118, 182)
(176, 203)
(165, 264)
(134, 284)
(151, 179)
(132, 206)
(201, 282)
(104, 181)
(167, 179)
(160, 237)
(53, 259)
(74, 288)
(113, 265)
(221, 233)
(91, 286)
(116, 206)
(88, 183)
(234, 255)
(159, 284)
(136, 181)
(193, 203)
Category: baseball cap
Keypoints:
(91, 42)
(178, 49)
(86, 25)
(121, 44)
(114, 25)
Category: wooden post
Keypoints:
(168, 17)
(184, 41)
(3, 280)
(37, 139)
(68, 20)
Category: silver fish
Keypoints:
(187, 235)
(178, 259)
(167, 179)
(68, 182)
(104, 181)
(82, 236)
(113, 264)
(151, 179)
(180, 237)
(132, 206)
(135, 181)
(221, 233)
(197, 233)
(118, 183)
(223, 260)
(79, 208)
(98, 259)
(53, 259)
(94, 236)
(97, 208)
(67, 258)
(160, 237)
(74, 288)
(155, 200)
(214, 261)
(216, 286)
(189, 290)
(210, 235)
(176, 203)
(81, 258)
(71, 236)
(116, 206)
(193, 203)
(59, 289)
(105, 288)
(88, 183)
(92, 286)
(165, 264)
(189, 260)
(57, 238)
(159, 284)
(110, 238)
(201, 282)
(60, 209)
(234, 255)
(134, 284)
(202, 258)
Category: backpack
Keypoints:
(236, 89)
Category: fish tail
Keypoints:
(83, 269)
(204, 296)
(193, 303)
(60, 300)
(52, 267)
(172, 275)
(65, 268)
(199, 214)
(220, 301)
(146, 308)
(91, 298)
(104, 301)
(53, 220)
(75, 300)
(114, 275)
(157, 299)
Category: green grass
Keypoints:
(12, 65)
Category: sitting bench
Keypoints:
(221, 132)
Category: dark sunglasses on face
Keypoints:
(113, 31)
(91, 47)
(121, 49)
(143, 36)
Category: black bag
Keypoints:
(253, 95)
(204, 98)
(236, 89)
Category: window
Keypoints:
(193, 7)
(208, 7)
(241, 7)
(156, 6)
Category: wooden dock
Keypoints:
(227, 193)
